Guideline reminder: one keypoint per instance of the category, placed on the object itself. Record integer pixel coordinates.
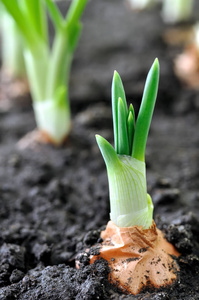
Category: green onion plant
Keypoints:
(48, 67)
(129, 201)
(11, 46)
(174, 11)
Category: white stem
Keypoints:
(53, 119)
(130, 204)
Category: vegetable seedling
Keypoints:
(137, 253)
(48, 67)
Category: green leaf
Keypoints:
(73, 36)
(110, 156)
(13, 9)
(131, 130)
(60, 97)
(75, 11)
(131, 109)
(145, 113)
(55, 14)
(34, 12)
(123, 143)
(117, 92)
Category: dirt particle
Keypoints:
(142, 250)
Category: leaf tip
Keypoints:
(100, 141)
(116, 77)
(98, 137)
(156, 66)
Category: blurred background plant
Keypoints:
(48, 68)
(11, 46)
(141, 4)
(174, 11)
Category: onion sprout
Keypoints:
(129, 201)
(48, 67)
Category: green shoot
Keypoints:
(48, 68)
(130, 203)
(145, 113)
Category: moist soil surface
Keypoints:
(55, 202)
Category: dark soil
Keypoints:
(54, 201)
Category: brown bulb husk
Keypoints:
(138, 258)
(36, 137)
